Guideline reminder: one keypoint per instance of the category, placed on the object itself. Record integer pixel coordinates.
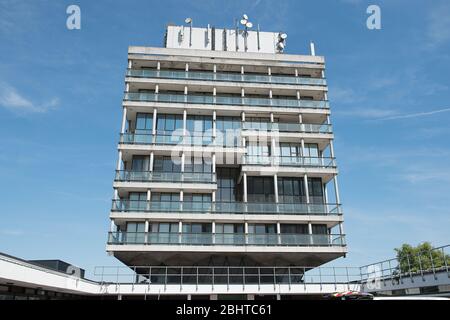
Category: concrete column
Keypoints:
(243, 116)
(155, 115)
(275, 184)
(242, 69)
(213, 196)
(119, 161)
(124, 120)
(184, 122)
(245, 186)
(336, 190)
(310, 232)
(152, 160)
(214, 127)
(187, 67)
(180, 227)
(305, 181)
(269, 71)
(270, 93)
(246, 227)
(214, 163)
(296, 72)
(149, 197)
(116, 194)
(242, 92)
(298, 95)
(271, 117)
(325, 192)
(183, 156)
(127, 87)
(130, 64)
(213, 227)
(158, 65)
(146, 231)
(119, 297)
(278, 227)
(157, 88)
(215, 68)
(302, 142)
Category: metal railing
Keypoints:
(154, 176)
(409, 266)
(323, 162)
(224, 239)
(124, 205)
(222, 76)
(226, 100)
(208, 275)
(177, 139)
(287, 127)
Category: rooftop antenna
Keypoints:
(247, 25)
(281, 44)
(189, 22)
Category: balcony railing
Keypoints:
(177, 139)
(321, 162)
(226, 100)
(287, 127)
(229, 77)
(153, 176)
(124, 205)
(232, 239)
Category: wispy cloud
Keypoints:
(13, 100)
(439, 25)
(414, 115)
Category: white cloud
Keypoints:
(12, 100)
(439, 25)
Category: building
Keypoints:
(225, 155)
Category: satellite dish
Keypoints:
(283, 36)
(244, 16)
(188, 20)
(243, 22)
(249, 24)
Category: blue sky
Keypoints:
(60, 111)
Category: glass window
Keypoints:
(294, 228)
(167, 123)
(197, 227)
(319, 229)
(262, 228)
(260, 189)
(140, 163)
(165, 164)
(144, 122)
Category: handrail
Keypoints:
(155, 176)
(227, 77)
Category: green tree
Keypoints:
(422, 256)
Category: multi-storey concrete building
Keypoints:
(225, 155)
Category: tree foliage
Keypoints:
(423, 256)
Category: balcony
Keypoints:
(226, 100)
(227, 77)
(225, 207)
(223, 239)
(318, 162)
(152, 176)
(288, 127)
(177, 139)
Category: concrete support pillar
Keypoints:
(325, 192)
(275, 185)
(278, 227)
(296, 72)
(242, 92)
(213, 163)
(305, 181)
(184, 122)
(298, 95)
(186, 67)
(245, 186)
(302, 142)
(269, 71)
(158, 65)
(119, 161)
(183, 160)
(146, 231)
(214, 127)
(213, 196)
(152, 160)
(271, 117)
(243, 116)
(124, 120)
(300, 118)
(130, 64)
(181, 195)
(127, 87)
(116, 194)
(119, 297)
(180, 226)
(242, 70)
(157, 88)
(155, 115)
(270, 93)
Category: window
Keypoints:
(197, 228)
(290, 149)
(315, 188)
(135, 232)
(144, 122)
(319, 229)
(311, 150)
(260, 189)
(196, 123)
(262, 228)
(140, 163)
(197, 197)
(165, 197)
(294, 228)
(259, 123)
(228, 131)
(164, 227)
(168, 123)
(291, 190)
(165, 164)
(229, 228)
(198, 165)
(226, 185)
